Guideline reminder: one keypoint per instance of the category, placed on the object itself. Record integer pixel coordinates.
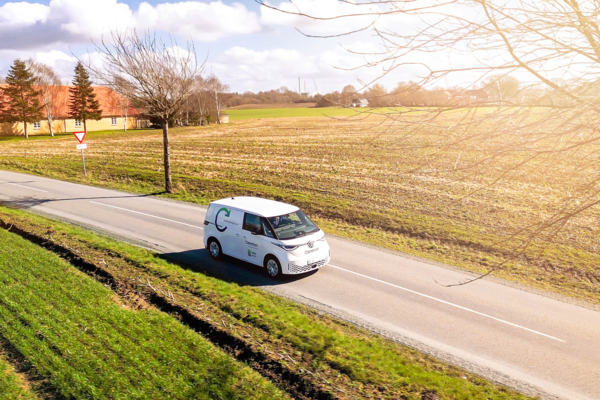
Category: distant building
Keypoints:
(113, 116)
(476, 95)
(360, 103)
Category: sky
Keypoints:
(248, 46)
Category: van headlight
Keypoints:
(286, 248)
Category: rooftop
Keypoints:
(111, 103)
(256, 205)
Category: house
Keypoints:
(476, 95)
(360, 103)
(114, 109)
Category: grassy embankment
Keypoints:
(73, 332)
(357, 179)
(83, 344)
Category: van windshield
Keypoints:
(293, 225)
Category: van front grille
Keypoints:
(299, 269)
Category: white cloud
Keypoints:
(90, 18)
(31, 25)
(245, 69)
(22, 14)
(197, 20)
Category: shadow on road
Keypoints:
(228, 269)
(26, 202)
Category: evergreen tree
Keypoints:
(21, 100)
(83, 104)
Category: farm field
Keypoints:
(291, 112)
(94, 339)
(297, 112)
(257, 106)
(79, 340)
(358, 179)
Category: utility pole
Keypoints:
(299, 87)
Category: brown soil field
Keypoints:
(359, 180)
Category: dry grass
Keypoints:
(361, 180)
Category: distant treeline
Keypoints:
(282, 95)
(496, 90)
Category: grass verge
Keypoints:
(87, 345)
(333, 359)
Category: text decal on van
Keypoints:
(227, 214)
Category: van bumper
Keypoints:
(303, 266)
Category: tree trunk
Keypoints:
(125, 122)
(25, 129)
(85, 126)
(167, 158)
(50, 126)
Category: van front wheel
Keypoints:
(214, 248)
(273, 267)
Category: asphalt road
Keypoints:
(499, 331)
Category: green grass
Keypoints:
(59, 135)
(235, 115)
(361, 363)
(11, 386)
(86, 345)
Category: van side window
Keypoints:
(266, 229)
(251, 223)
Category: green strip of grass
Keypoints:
(11, 387)
(70, 329)
(62, 135)
(235, 115)
(361, 362)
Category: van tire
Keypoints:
(272, 267)
(215, 249)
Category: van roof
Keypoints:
(256, 205)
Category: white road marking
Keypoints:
(148, 215)
(26, 187)
(448, 303)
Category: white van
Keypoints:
(267, 233)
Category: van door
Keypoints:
(228, 223)
(253, 244)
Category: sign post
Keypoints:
(80, 136)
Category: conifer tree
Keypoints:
(83, 104)
(21, 100)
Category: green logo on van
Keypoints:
(227, 214)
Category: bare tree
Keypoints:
(502, 87)
(201, 100)
(216, 89)
(348, 94)
(552, 47)
(154, 76)
(50, 85)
